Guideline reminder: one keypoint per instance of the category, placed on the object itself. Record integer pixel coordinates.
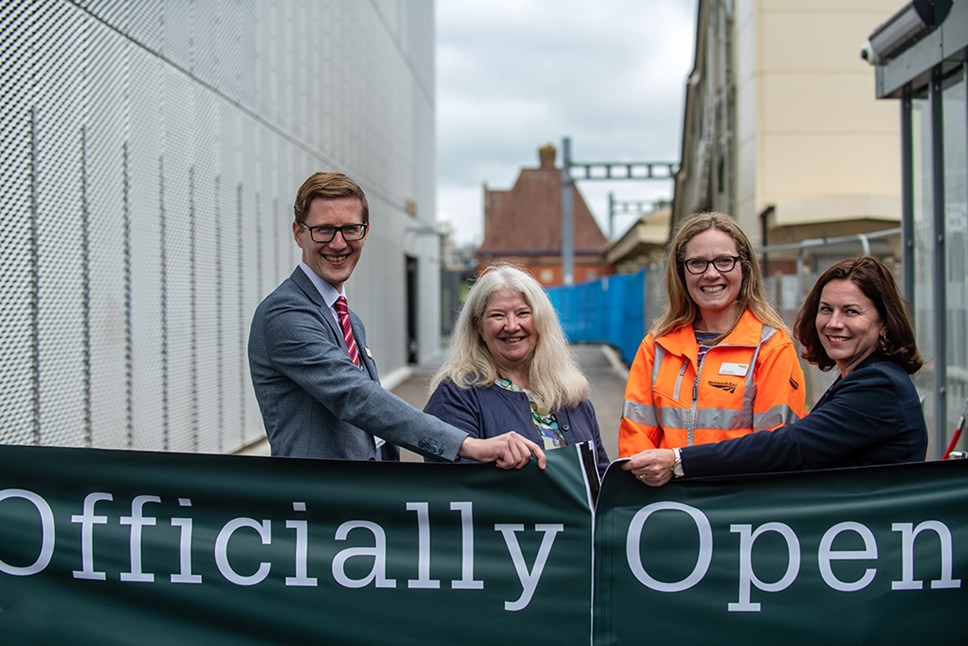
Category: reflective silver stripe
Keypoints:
(682, 370)
(674, 417)
(781, 414)
(640, 413)
(749, 394)
(767, 334)
(659, 356)
(709, 418)
(725, 419)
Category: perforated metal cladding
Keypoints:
(149, 153)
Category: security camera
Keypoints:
(906, 27)
(868, 54)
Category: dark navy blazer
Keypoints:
(871, 416)
(487, 412)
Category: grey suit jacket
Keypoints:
(315, 402)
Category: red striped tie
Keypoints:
(343, 311)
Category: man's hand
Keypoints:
(652, 466)
(508, 451)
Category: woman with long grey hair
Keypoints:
(509, 368)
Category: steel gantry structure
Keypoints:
(621, 170)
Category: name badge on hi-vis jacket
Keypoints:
(734, 369)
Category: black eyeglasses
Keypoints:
(698, 266)
(326, 233)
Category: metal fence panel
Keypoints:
(611, 310)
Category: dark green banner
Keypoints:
(856, 556)
(101, 547)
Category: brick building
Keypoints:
(523, 226)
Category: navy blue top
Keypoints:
(871, 416)
(488, 412)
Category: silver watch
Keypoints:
(677, 471)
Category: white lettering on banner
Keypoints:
(746, 575)
(529, 580)
(378, 553)
(87, 521)
(423, 550)
(375, 550)
(423, 580)
(46, 533)
(933, 537)
(467, 580)
(222, 550)
(634, 538)
(908, 534)
(184, 548)
(302, 577)
(137, 520)
(826, 555)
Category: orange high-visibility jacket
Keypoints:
(750, 381)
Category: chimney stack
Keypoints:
(546, 154)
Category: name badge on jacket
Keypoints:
(734, 369)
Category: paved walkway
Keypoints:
(606, 375)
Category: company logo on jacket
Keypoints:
(724, 385)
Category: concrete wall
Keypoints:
(808, 124)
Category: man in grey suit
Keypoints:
(316, 402)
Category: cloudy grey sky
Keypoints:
(514, 75)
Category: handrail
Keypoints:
(864, 239)
(803, 245)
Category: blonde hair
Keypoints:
(555, 380)
(682, 310)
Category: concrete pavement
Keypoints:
(606, 376)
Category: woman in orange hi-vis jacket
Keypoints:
(719, 363)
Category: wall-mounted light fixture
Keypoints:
(903, 29)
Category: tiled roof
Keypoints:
(527, 218)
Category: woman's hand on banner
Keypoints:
(652, 466)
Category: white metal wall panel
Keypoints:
(248, 207)
(150, 153)
(178, 166)
(177, 32)
(206, 350)
(143, 21)
(144, 291)
(225, 334)
(206, 42)
(18, 404)
(62, 286)
(230, 54)
(105, 131)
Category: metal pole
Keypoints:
(907, 200)
(611, 215)
(938, 268)
(800, 292)
(567, 238)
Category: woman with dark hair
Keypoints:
(854, 318)
(719, 363)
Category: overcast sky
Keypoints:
(514, 75)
